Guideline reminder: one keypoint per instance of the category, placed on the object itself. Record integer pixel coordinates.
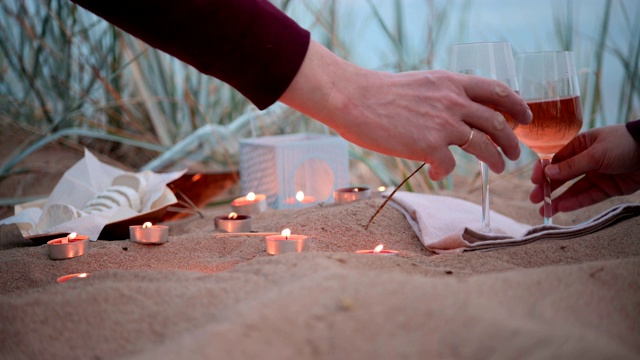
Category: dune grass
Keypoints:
(66, 75)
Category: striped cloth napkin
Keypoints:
(446, 224)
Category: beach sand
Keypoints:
(201, 296)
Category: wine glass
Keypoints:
(549, 85)
(493, 60)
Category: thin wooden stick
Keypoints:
(391, 195)
(245, 234)
(190, 203)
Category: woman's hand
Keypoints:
(605, 160)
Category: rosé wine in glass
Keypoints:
(549, 84)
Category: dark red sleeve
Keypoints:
(249, 44)
(634, 129)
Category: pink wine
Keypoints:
(554, 124)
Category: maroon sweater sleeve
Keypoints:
(249, 44)
(634, 129)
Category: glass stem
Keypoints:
(546, 186)
(486, 217)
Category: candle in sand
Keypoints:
(66, 278)
(68, 247)
(301, 198)
(377, 193)
(149, 233)
(347, 195)
(233, 223)
(285, 242)
(251, 204)
(378, 250)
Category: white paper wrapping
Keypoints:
(80, 184)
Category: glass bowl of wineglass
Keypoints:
(549, 84)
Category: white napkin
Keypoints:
(78, 185)
(445, 224)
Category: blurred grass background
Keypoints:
(70, 77)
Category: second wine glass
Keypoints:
(493, 60)
(549, 85)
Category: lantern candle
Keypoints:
(233, 223)
(301, 198)
(285, 243)
(66, 278)
(68, 247)
(378, 250)
(347, 195)
(149, 234)
(251, 204)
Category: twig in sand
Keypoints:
(245, 234)
(392, 193)
(190, 203)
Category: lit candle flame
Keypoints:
(286, 233)
(72, 236)
(233, 215)
(377, 249)
(382, 188)
(251, 196)
(146, 225)
(83, 275)
(356, 190)
(300, 196)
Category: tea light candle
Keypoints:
(149, 234)
(233, 223)
(66, 278)
(68, 247)
(251, 204)
(302, 198)
(347, 195)
(285, 243)
(377, 193)
(378, 250)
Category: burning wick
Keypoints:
(251, 196)
(146, 225)
(378, 250)
(232, 215)
(68, 238)
(300, 196)
(285, 243)
(66, 278)
(356, 190)
(382, 188)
